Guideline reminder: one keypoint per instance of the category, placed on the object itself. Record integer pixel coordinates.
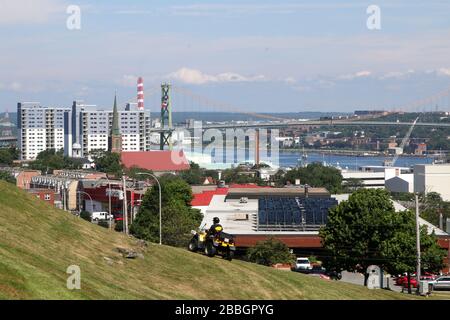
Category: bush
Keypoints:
(104, 223)
(119, 226)
(270, 252)
(86, 216)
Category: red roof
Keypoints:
(204, 199)
(164, 160)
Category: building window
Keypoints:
(47, 197)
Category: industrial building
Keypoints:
(433, 178)
(395, 179)
(292, 215)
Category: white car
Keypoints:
(101, 215)
(441, 283)
(302, 264)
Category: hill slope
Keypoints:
(38, 243)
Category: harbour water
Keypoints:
(291, 159)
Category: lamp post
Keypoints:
(109, 200)
(418, 263)
(88, 196)
(159, 185)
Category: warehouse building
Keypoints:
(433, 178)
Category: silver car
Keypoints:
(441, 283)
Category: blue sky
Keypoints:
(254, 55)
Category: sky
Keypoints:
(257, 56)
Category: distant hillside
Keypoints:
(38, 243)
(181, 117)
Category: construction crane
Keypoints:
(402, 145)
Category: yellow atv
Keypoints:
(221, 243)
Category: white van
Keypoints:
(302, 264)
(101, 215)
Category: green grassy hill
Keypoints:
(38, 243)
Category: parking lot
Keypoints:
(358, 279)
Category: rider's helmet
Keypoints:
(216, 220)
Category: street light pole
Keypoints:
(92, 204)
(418, 267)
(160, 216)
(109, 200)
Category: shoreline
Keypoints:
(350, 153)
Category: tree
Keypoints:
(134, 170)
(241, 176)
(6, 176)
(400, 250)
(178, 217)
(107, 161)
(317, 175)
(356, 229)
(353, 184)
(270, 252)
(50, 159)
(7, 156)
(432, 206)
(194, 175)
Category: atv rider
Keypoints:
(216, 228)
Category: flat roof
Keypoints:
(286, 192)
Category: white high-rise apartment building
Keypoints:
(91, 129)
(41, 128)
(80, 129)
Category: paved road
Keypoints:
(358, 278)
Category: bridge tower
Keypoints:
(166, 117)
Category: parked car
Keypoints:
(324, 273)
(101, 215)
(441, 283)
(302, 264)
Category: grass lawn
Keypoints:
(38, 243)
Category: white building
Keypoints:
(91, 128)
(395, 179)
(41, 128)
(79, 130)
(433, 178)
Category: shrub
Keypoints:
(270, 252)
(119, 226)
(104, 223)
(86, 216)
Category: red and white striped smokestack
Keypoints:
(140, 93)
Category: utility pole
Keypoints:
(417, 242)
(125, 206)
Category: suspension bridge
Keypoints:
(182, 99)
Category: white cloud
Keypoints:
(359, 74)
(13, 86)
(397, 74)
(443, 72)
(209, 9)
(289, 80)
(194, 76)
(29, 11)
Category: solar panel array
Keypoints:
(280, 213)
